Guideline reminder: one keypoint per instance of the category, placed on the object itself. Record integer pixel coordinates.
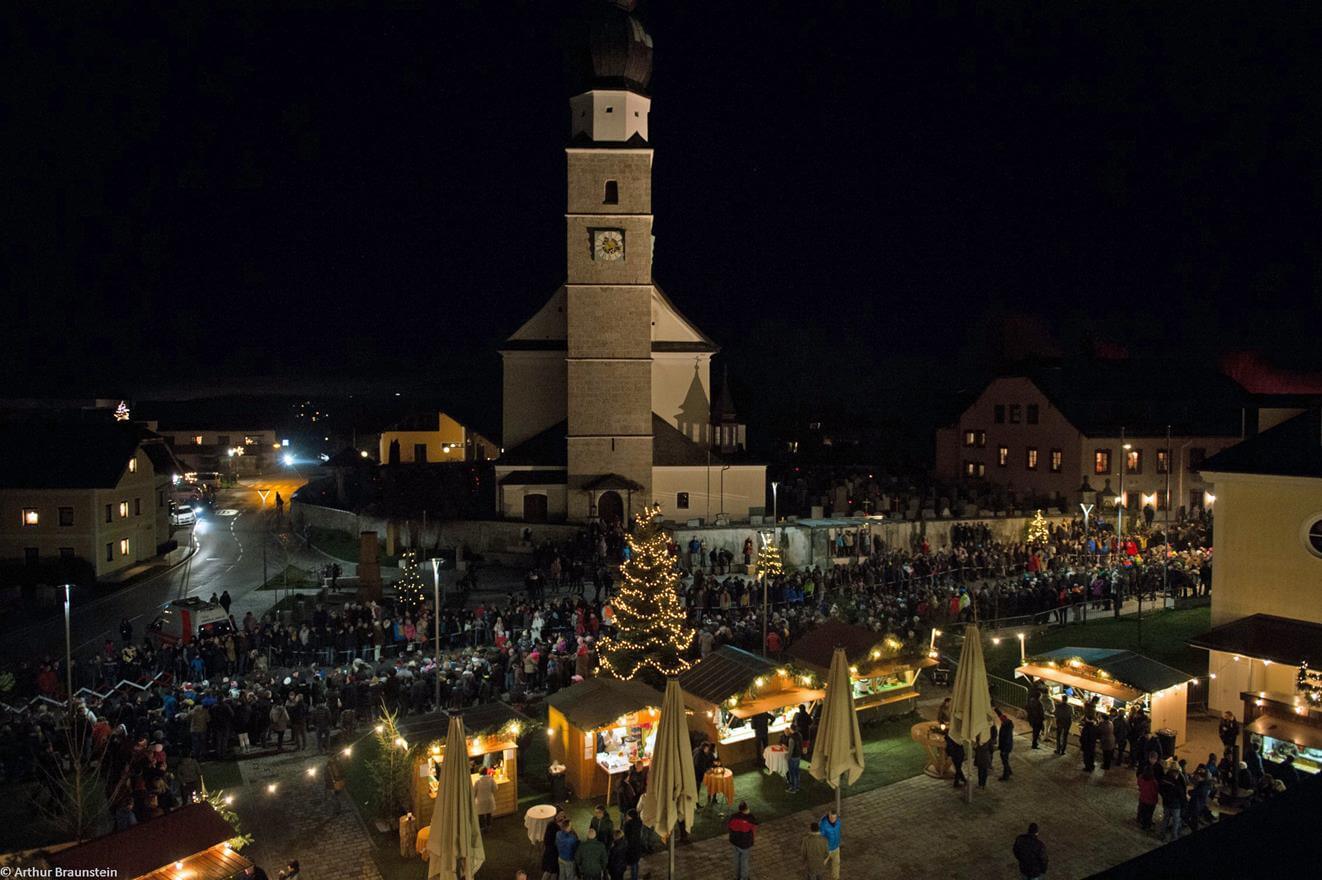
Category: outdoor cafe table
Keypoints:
(536, 820)
(720, 781)
(777, 759)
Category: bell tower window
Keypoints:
(612, 194)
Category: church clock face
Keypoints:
(608, 244)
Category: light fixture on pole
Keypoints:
(436, 598)
(775, 508)
(68, 649)
(1022, 658)
(1087, 501)
(1123, 501)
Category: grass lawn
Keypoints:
(891, 756)
(1165, 638)
(291, 577)
(344, 546)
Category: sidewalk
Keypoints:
(921, 827)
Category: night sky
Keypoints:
(848, 197)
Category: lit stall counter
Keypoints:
(493, 749)
(883, 668)
(729, 688)
(1115, 681)
(1289, 725)
(598, 729)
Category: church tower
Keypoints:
(608, 287)
(607, 388)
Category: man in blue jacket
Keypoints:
(830, 828)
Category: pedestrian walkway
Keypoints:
(921, 827)
(296, 821)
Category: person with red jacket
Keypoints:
(742, 826)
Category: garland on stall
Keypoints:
(1309, 684)
(1077, 666)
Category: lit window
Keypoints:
(1134, 461)
(133, 465)
(682, 500)
(1032, 458)
(975, 438)
(1002, 456)
(123, 509)
(974, 469)
(1056, 461)
(197, 440)
(123, 546)
(1163, 461)
(1101, 461)
(31, 517)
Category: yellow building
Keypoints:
(1266, 575)
(607, 389)
(97, 492)
(435, 438)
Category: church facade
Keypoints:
(607, 388)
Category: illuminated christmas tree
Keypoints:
(768, 560)
(651, 634)
(1037, 529)
(410, 590)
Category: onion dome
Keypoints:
(613, 51)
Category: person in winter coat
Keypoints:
(1088, 744)
(1064, 718)
(633, 838)
(1005, 743)
(1148, 793)
(550, 850)
(812, 849)
(1121, 731)
(1037, 716)
(1106, 739)
(566, 847)
(1031, 854)
(617, 859)
(602, 824)
(830, 825)
(982, 760)
(742, 827)
(484, 798)
(955, 752)
(279, 724)
(321, 719)
(591, 857)
(1174, 797)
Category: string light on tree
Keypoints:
(122, 412)
(1309, 683)
(410, 589)
(1038, 532)
(769, 564)
(650, 635)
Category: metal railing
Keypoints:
(1007, 693)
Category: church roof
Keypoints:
(672, 331)
(670, 448)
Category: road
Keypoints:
(228, 556)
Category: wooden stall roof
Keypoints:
(749, 708)
(1062, 676)
(597, 701)
(1143, 673)
(816, 647)
(1306, 735)
(216, 863)
(143, 848)
(485, 719)
(723, 673)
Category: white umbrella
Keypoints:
(971, 712)
(672, 789)
(839, 746)
(456, 839)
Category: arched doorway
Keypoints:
(610, 507)
(534, 508)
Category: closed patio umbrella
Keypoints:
(971, 712)
(455, 845)
(672, 789)
(839, 747)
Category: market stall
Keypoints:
(883, 670)
(493, 749)
(1117, 679)
(1290, 725)
(191, 842)
(599, 728)
(729, 686)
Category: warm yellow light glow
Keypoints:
(312, 771)
(759, 681)
(995, 640)
(270, 789)
(380, 728)
(347, 752)
(853, 670)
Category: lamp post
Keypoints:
(721, 514)
(436, 599)
(762, 576)
(68, 651)
(1022, 658)
(1123, 502)
(1085, 492)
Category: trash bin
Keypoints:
(1166, 737)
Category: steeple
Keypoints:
(613, 60)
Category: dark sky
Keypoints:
(845, 194)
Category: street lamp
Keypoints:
(1122, 503)
(1086, 491)
(68, 649)
(1022, 658)
(436, 598)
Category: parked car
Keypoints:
(183, 621)
(183, 515)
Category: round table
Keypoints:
(933, 740)
(719, 782)
(536, 820)
(777, 759)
